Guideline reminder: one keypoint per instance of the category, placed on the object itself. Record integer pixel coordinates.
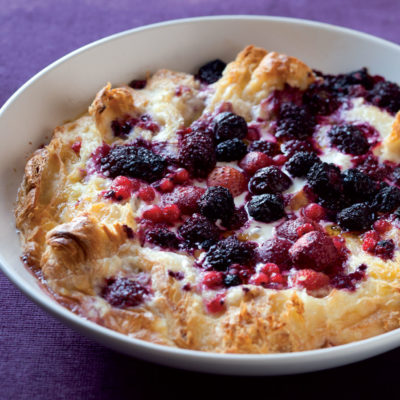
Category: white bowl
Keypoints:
(65, 88)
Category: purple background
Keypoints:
(42, 359)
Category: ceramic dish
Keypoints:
(65, 89)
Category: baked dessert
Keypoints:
(250, 208)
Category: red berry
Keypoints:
(370, 240)
(254, 161)
(76, 147)
(146, 194)
(181, 175)
(228, 177)
(166, 185)
(252, 133)
(171, 213)
(154, 214)
(314, 211)
(340, 244)
(382, 226)
(310, 279)
(276, 278)
(213, 279)
(305, 228)
(185, 197)
(279, 159)
(270, 268)
(260, 279)
(217, 304)
(123, 187)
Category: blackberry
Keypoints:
(216, 203)
(235, 221)
(396, 176)
(325, 179)
(197, 153)
(320, 100)
(357, 217)
(291, 147)
(266, 207)
(385, 95)
(123, 292)
(211, 72)
(349, 139)
(357, 185)
(228, 125)
(229, 251)
(269, 180)
(134, 162)
(344, 84)
(232, 280)
(300, 163)
(387, 199)
(231, 150)
(198, 229)
(264, 146)
(294, 122)
(162, 237)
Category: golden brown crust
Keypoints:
(79, 240)
(391, 145)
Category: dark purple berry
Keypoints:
(357, 185)
(349, 282)
(300, 163)
(370, 165)
(211, 72)
(235, 221)
(344, 84)
(124, 292)
(269, 180)
(231, 150)
(163, 237)
(385, 95)
(357, 217)
(387, 199)
(294, 122)
(385, 249)
(396, 176)
(266, 207)
(198, 229)
(232, 280)
(349, 139)
(216, 203)
(264, 146)
(228, 125)
(229, 251)
(320, 100)
(294, 146)
(325, 179)
(134, 162)
(197, 153)
(138, 84)
(122, 128)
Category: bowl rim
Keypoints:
(385, 340)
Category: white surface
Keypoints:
(65, 88)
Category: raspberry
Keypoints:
(274, 251)
(269, 180)
(171, 213)
(370, 239)
(266, 207)
(277, 278)
(154, 214)
(162, 237)
(146, 194)
(213, 279)
(254, 161)
(197, 153)
(300, 163)
(294, 122)
(385, 95)
(357, 217)
(314, 211)
(123, 187)
(291, 147)
(310, 279)
(181, 175)
(166, 185)
(185, 197)
(133, 162)
(211, 72)
(289, 229)
(357, 185)
(387, 199)
(264, 146)
(124, 293)
(138, 84)
(385, 249)
(303, 229)
(260, 279)
(231, 150)
(270, 268)
(197, 229)
(314, 250)
(228, 125)
(228, 177)
(349, 139)
(216, 203)
(325, 180)
(229, 251)
(217, 304)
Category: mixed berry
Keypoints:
(226, 177)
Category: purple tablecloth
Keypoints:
(42, 359)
